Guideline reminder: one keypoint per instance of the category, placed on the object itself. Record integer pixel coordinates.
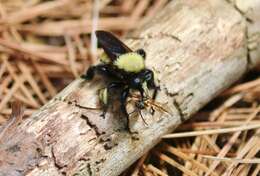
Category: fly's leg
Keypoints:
(154, 96)
(156, 88)
(123, 99)
(102, 69)
(149, 77)
(141, 90)
(90, 73)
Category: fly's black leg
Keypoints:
(100, 69)
(90, 73)
(156, 88)
(154, 96)
(103, 69)
(110, 86)
(123, 99)
(141, 52)
(141, 90)
(140, 112)
(149, 77)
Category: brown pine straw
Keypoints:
(156, 170)
(44, 45)
(175, 164)
(226, 143)
(246, 86)
(139, 164)
(208, 132)
(231, 141)
(234, 160)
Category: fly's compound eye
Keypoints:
(136, 83)
(141, 52)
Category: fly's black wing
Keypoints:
(112, 46)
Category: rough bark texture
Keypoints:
(64, 138)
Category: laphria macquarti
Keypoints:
(125, 69)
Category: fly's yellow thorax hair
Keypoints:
(104, 58)
(130, 62)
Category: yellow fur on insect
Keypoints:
(104, 58)
(130, 62)
(103, 96)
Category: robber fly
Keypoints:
(125, 69)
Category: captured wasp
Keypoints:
(148, 103)
(125, 69)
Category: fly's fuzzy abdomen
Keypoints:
(103, 96)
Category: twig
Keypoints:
(209, 132)
(243, 161)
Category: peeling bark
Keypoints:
(64, 138)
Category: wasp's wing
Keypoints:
(112, 46)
